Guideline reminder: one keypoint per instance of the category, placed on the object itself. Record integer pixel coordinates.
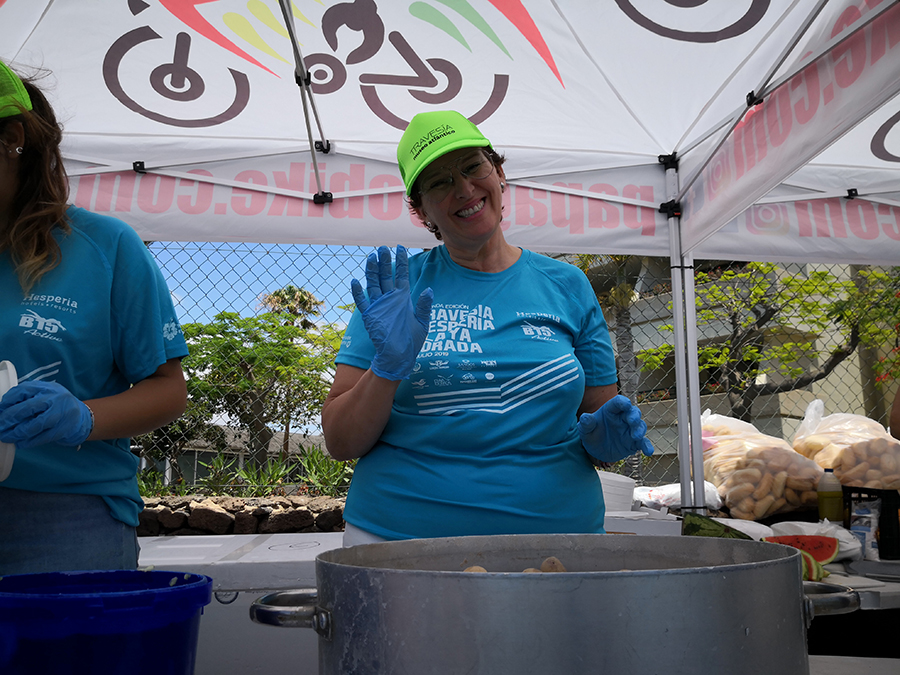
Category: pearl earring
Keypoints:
(20, 150)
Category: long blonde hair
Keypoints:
(39, 205)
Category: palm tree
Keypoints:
(300, 304)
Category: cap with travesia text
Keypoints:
(431, 135)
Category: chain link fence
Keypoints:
(772, 339)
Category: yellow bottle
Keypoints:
(831, 498)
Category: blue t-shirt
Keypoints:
(482, 437)
(97, 323)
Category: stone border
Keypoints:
(199, 514)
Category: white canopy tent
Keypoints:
(709, 129)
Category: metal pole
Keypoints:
(681, 398)
(301, 75)
(693, 373)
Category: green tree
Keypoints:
(299, 304)
(260, 371)
(887, 366)
(168, 442)
(751, 304)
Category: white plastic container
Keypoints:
(8, 379)
(618, 491)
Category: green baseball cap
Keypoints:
(13, 97)
(431, 135)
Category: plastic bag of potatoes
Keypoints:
(758, 476)
(873, 463)
(823, 437)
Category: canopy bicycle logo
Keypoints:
(741, 23)
(431, 80)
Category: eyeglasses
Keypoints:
(438, 185)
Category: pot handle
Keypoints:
(825, 599)
(292, 609)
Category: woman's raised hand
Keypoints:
(396, 327)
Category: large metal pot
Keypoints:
(628, 604)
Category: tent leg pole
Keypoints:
(685, 456)
(681, 398)
(693, 375)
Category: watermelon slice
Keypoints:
(812, 568)
(822, 549)
(697, 525)
(808, 566)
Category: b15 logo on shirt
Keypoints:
(538, 332)
(38, 326)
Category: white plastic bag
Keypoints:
(670, 496)
(823, 437)
(849, 547)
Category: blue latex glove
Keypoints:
(615, 431)
(35, 413)
(396, 328)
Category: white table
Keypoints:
(243, 567)
(852, 665)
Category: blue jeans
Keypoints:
(49, 532)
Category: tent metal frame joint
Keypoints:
(671, 208)
(669, 161)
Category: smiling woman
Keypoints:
(464, 370)
(465, 212)
(436, 151)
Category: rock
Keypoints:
(299, 500)
(264, 502)
(332, 518)
(245, 522)
(284, 520)
(283, 502)
(230, 504)
(200, 515)
(172, 520)
(319, 504)
(209, 516)
(148, 522)
(181, 502)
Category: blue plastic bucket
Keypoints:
(125, 621)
